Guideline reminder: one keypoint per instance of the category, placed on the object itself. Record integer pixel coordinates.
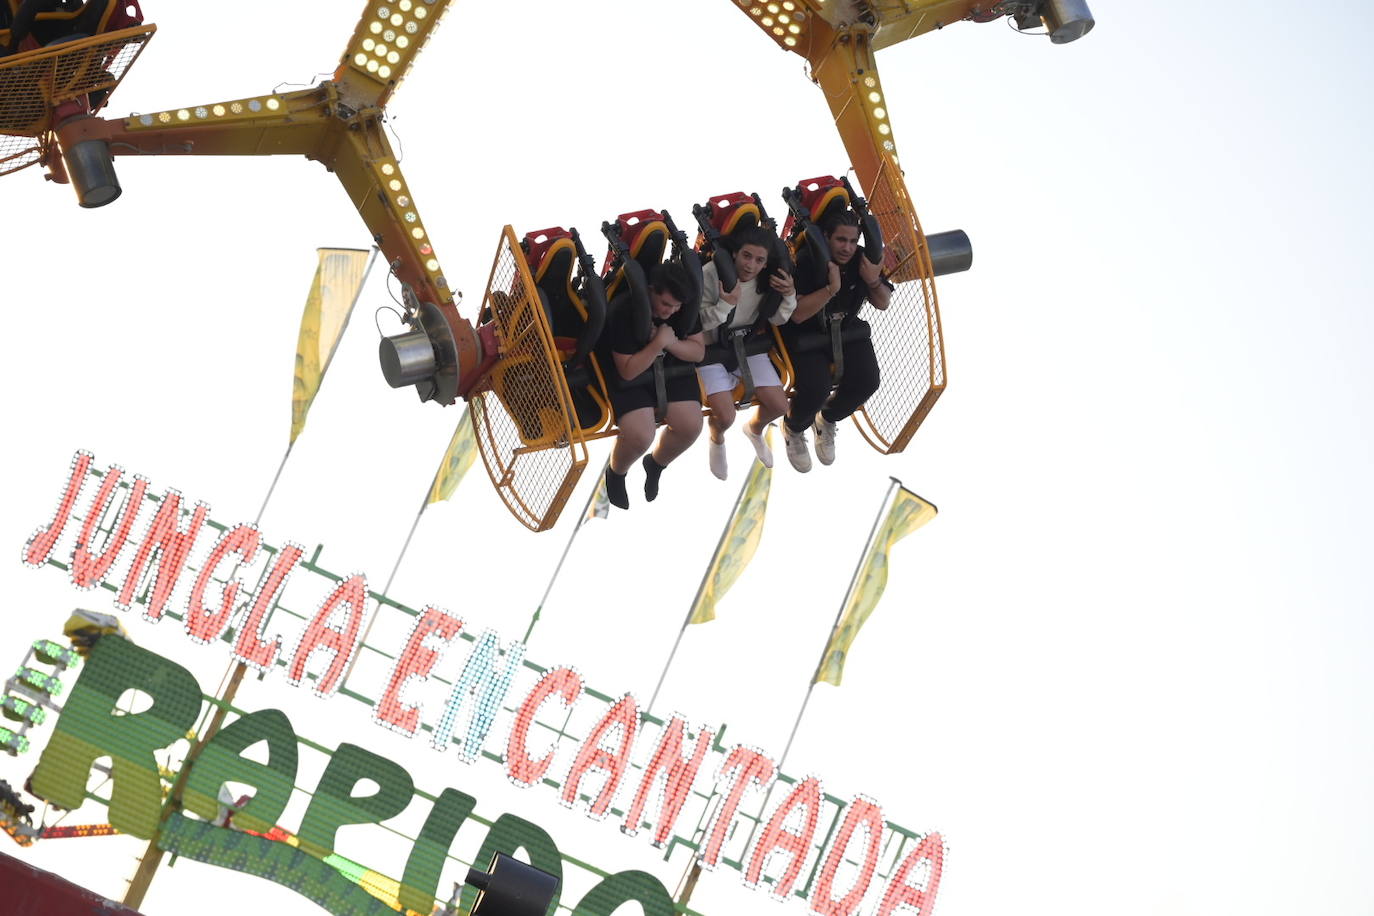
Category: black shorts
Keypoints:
(624, 400)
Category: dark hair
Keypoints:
(670, 278)
(749, 235)
(835, 221)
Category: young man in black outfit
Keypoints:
(851, 281)
(634, 404)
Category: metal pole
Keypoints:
(701, 587)
(152, 856)
(581, 520)
(849, 593)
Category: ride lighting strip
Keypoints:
(238, 110)
(388, 39)
(784, 20)
(557, 728)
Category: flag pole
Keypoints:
(689, 880)
(581, 520)
(152, 856)
(705, 576)
(849, 593)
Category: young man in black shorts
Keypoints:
(634, 403)
(852, 279)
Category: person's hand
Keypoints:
(664, 336)
(869, 272)
(832, 282)
(731, 297)
(781, 281)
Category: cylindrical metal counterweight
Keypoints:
(406, 358)
(1067, 20)
(92, 173)
(512, 888)
(950, 252)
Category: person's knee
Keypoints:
(685, 420)
(773, 401)
(722, 412)
(636, 434)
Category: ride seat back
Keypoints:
(577, 320)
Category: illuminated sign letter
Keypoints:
(335, 805)
(748, 765)
(486, 678)
(222, 761)
(861, 813)
(352, 594)
(89, 728)
(678, 775)
(88, 569)
(624, 716)
(899, 891)
(172, 546)
(251, 649)
(565, 682)
(776, 838)
(45, 538)
(416, 661)
(203, 625)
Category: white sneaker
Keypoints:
(825, 440)
(798, 452)
(716, 452)
(760, 445)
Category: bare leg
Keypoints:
(722, 417)
(772, 404)
(635, 436)
(681, 427)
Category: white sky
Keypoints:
(1124, 669)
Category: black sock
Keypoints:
(615, 489)
(651, 471)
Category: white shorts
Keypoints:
(715, 379)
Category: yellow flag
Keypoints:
(600, 506)
(462, 450)
(906, 513)
(738, 543)
(337, 281)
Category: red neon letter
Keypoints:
(776, 838)
(202, 625)
(342, 642)
(901, 894)
(625, 716)
(565, 682)
(250, 648)
(679, 773)
(87, 569)
(172, 545)
(415, 661)
(44, 539)
(865, 813)
(752, 767)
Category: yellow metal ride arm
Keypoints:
(338, 123)
(838, 39)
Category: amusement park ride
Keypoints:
(527, 364)
(526, 360)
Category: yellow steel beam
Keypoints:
(317, 124)
(388, 38)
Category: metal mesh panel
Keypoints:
(521, 412)
(18, 152)
(32, 83)
(906, 337)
